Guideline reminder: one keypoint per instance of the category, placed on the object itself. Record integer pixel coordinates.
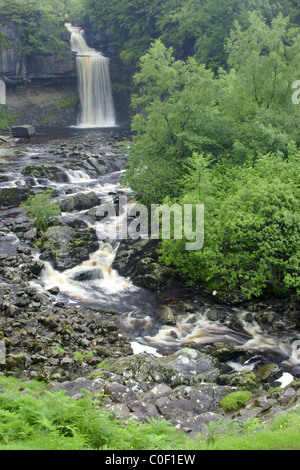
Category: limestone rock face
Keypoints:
(17, 68)
(40, 89)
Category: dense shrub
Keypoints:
(41, 209)
(252, 228)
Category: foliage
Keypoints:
(235, 400)
(191, 27)
(228, 142)
(6, 119)
(37, 27)
(251, 228)
(174, 99)
(40, 208)
(32, 418)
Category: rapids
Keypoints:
(95, 283)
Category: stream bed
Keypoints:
(86, 161)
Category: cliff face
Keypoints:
(15, 67)
(41, 89)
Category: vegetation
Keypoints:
(229, 141)
(235, 400)
(214, 123)
(41, 209)
(37, 419)
(6, 119)
(38, 26)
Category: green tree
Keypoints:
(267, 59)
(37, 26)
(174, 98)
(252, 228)
(41, 209)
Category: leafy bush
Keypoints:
(40, 208)
(252, 227)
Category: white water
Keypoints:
(105, 287)
(197, 328)
(97, 107)
(106, 281)
(78, 176)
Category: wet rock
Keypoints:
(224, 352)
(50, 172)
(97, 164)
(167, 316)
(54, 290)
(139, 261)
(13, 197)
(23, 131)
(79, 202)
(87, 275)
(241, 379)
(67, 247)
(30, 234)
(268, 374)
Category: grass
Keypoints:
(33, 418)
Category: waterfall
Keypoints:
(97, 108)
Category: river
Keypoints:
(197, 315)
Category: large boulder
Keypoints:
(66, 247)
(13, 197)
(139, 261)
(79, 202)
(51, 172)
(23, 131)
(185, 367)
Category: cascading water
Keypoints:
(97, 108)
(95, 283)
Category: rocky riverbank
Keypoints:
(73, 344)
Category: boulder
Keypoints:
(51, 172)
(13, 197)
(87, 275)
(67, 247)
(79, 202)
(139, 261)
(23, 131)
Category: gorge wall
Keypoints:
(41, 89)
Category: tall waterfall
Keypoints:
(97, 108)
